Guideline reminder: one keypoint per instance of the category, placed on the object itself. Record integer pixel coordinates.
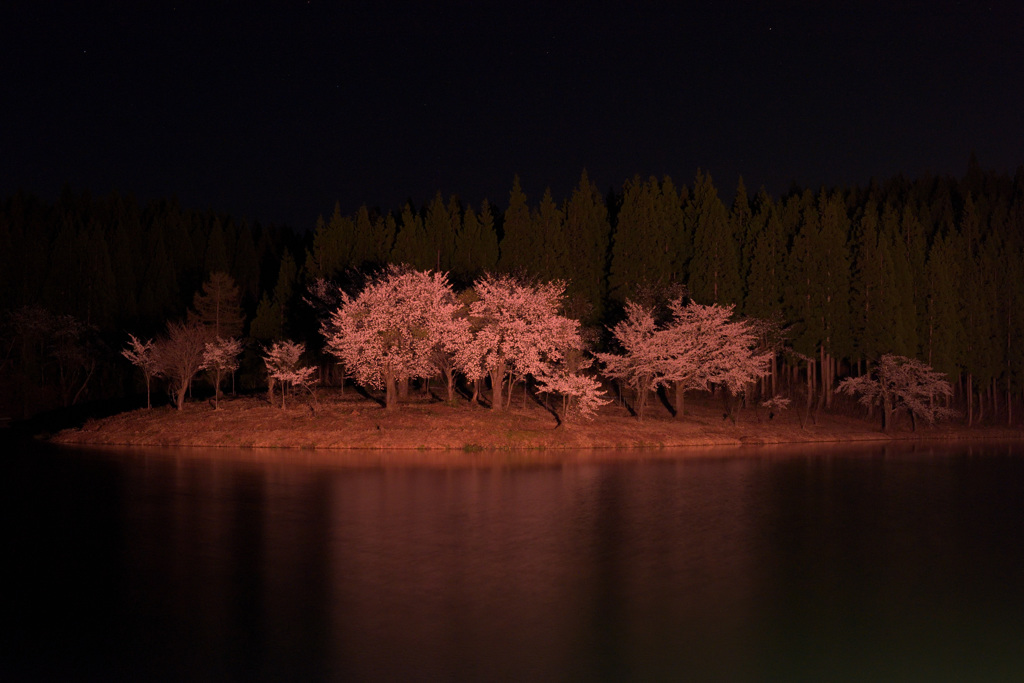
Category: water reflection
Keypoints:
(753, 564)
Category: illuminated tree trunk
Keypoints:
(970, 399)
(391, 390)
(497, 376)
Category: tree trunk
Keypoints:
(680, 400)
(775, 371)
(450, 377)
(825, 399)
(85, 383)
(497, 376)
(810, 384)
(391, 391)
(970, 399)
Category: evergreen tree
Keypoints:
(943, 328)
(159, 291)
(767, 256)
(741, 220)
(363, 248)
(332, 243)
(245, 267)
(669, 212)
(819, 284)
(715, 268)
(642, 252)
(272, 314)
(125, 248)
(95, 275)
(588, 231)
(383, 241)
(217, 306)
(476, 245)
(215, 253)
(411, 244)
(867, 286)
(440, 233)
(555, 262)
(835, 252)
(266, 325)
(900, 311)
(520, 242)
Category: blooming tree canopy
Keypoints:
(699, 346)
(180, 354)
(704, 345)
(641, 344)
(517, 332)
(220, 357)
(390, 330)
(283, 361)
(581, 394)
(449, 334)
(901, 383)
(142, 354)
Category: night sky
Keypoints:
(274, 111)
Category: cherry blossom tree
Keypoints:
(449, 334)
(699, 346)
(900, 383)
(703, 345)
(392, 330)
(638, 364)
(774, 404)
(517, 332)
(143, 355)
(220, 357)
(283, 361)
(581, 394)
(180, 354)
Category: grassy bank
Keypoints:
(350, 421)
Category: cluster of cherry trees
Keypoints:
(209, 340)
(410, 324)
(188, 348)
(699, 346)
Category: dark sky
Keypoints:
(276, 110)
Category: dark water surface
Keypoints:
(758, 564)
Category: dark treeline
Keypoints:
(931, 268)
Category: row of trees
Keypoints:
(929, 268)
(188, 348)
(408, 324)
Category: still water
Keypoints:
(783, 564)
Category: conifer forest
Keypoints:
(825, 282)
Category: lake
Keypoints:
(762, 563)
